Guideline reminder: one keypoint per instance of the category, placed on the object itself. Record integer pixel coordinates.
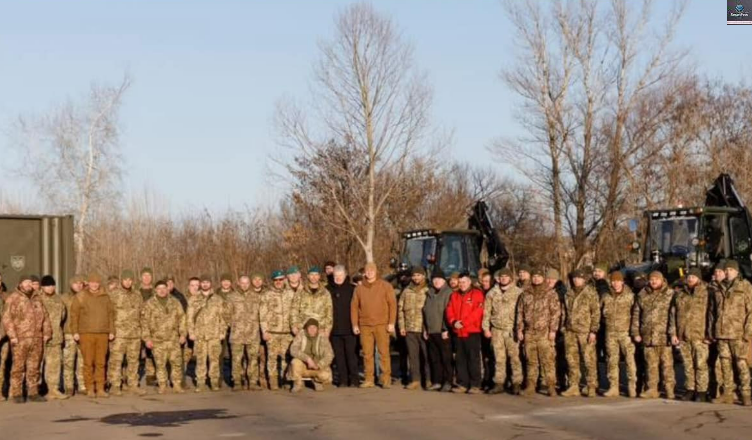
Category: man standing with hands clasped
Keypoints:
(465, 315)
(373, 312)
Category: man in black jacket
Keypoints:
(343, 340)
(437, 332)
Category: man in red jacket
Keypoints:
(465, 314)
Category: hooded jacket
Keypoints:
(434, 309)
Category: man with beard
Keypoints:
(147, 291)
(73, 360)
(437, 332)
(275, 315)
(207, 328)
(314, 301)
(53, 349)
(410, 322)
(312, 356)
(163, 329)
(523, 276)
(126, 302)
(616, 307)
(27, 324)
(582, 317)
(500, 312)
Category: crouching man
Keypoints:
(312, 356)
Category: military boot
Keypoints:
(178, 389)
(474, 390)
(69, 392)
(56, 395)
(37, 398)
(19, 399)
(367, 385)
(592, 392)
(572, 391)
(91, 394)
(670, 394)
(459, 390)
(632, 390)
(688, 396)
(414, 385)
(529, 389)
(200, 389)
(701, 396)
(102, 394)
(162, 389)
(318, 386)
(552, 391)
(515, 391)
(254, 387)
(746, 400)
(297, 386)
(650, 394)
(727, 397)
(612, 392)
(497, 389)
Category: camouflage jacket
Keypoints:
(57, 313)
(617, 311)
(307, 304)
(500, 309)
(539, 311)
(67, 299)
(244, 316)
(206, 317)
(410, 308)
(222, 294)
(162, 323)
(323, 354)
(732, 311)
(690, 317)
(651, 316)
(25, 317)
(582, 312)
(275, 310)
(127, 305)
(2, 307)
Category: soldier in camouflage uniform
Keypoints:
(651, 315)
(314, 301)
(691, 322)
(616, 308)
(732, 328)
(293, 280)
(4, 344)
(147, 292)
(538, 319)
(499, 315)
(312, 357)
(582, 318)
(410, 323)
(716, 371)
(523, 276)
(127, 303)
(27, 324)
(275, 313)
(244, 306)
(224, 291)
(207, 327)
(163, 330)
(257, 284)
(53, 349)
(73, 360)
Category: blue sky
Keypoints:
(198, 119)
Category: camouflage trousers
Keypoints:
(188, 354)
(128, 349)
(262, 364)
(621, 344)
(73, 365)
(539, 352)
(580, 352)
(210, 351)
(695, 359)
(245, 365)
(149, 361)
(735, 352)
(660, 356)
(168, 352)
(53, 358)
(299, 371)
(27, 359)
(4, 355)
(276, 359)
(505, 349)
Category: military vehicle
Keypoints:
(676, 239)
(39, 245)
(454, 250)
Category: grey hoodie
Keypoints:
(434, 310)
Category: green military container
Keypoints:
(36, 244)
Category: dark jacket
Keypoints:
(181, 298)
(434, 310)
(341, 300)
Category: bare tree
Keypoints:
(72, 155)
(372, 101)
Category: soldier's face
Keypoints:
(48, 290)
(692, 280)
(312, 330)
(193, 286)
(537, 280)
(599, 274)
(294, 278)
(112, 284)
(551, 282)
(618, 285)
(314, 278)
(127, 283)
(226, 284)
(77, 287)
(454, 283)
(146, 279)
(244, 283)
(731, 273)
(257, 282)
(162, 291)
(465, 284)
(418, 278)
(279, 283)
(35, 285)
(205, 285)
(655, 282)
(486, 281)
(438, 283)
(578, 282)
(719, 275)
(25, 286)
(505, 280)
(524, 275)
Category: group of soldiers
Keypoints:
(517, 329)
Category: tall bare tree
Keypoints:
(372, 101)
(72, 155)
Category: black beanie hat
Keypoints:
(47, 280)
